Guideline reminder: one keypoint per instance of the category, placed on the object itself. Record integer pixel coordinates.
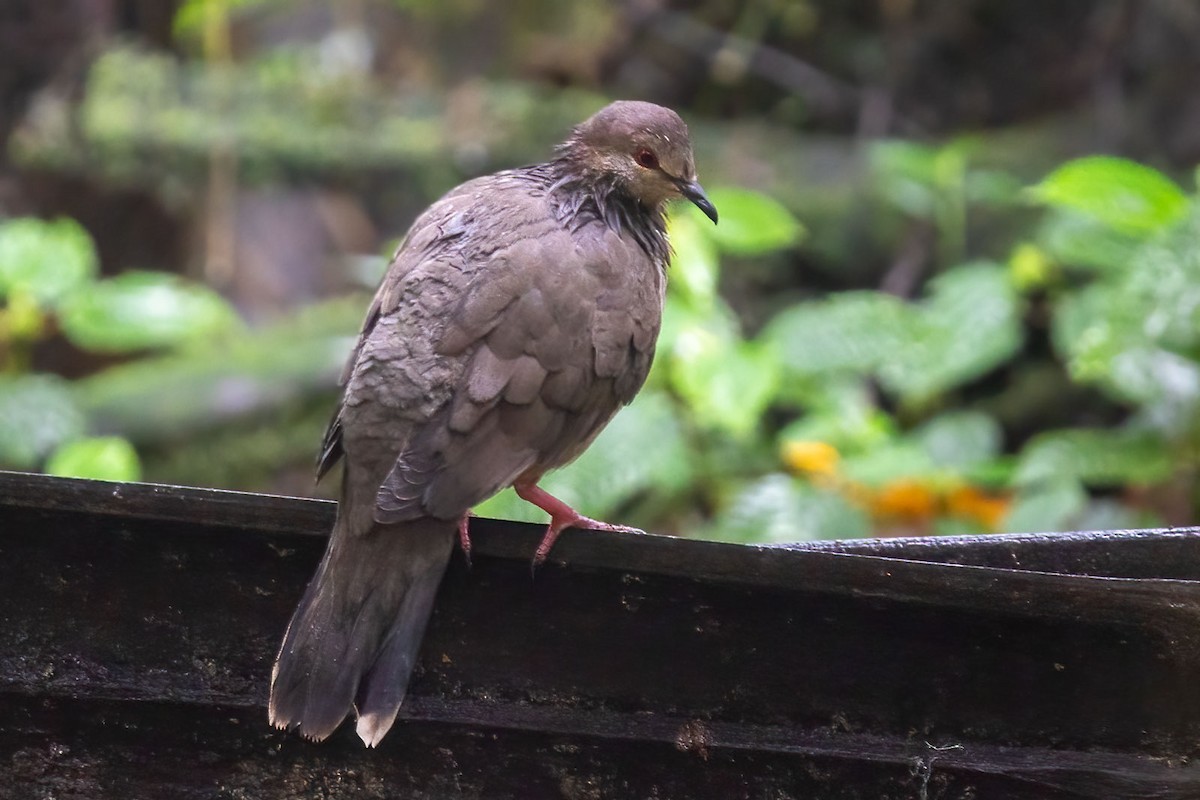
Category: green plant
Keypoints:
(49, 284)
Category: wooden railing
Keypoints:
(138, 624)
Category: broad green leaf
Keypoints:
(103, 458)
(851, 424)
(685, 325)
(777, 508)
(46, 260)
(1164, 279)
(960, 438)
(695, 265)
(1097, 457)
(261, 372)
(1134, 335)
(897, 460)
(1046, 507)
(969, 325)
(36, 415)
(140, 310)
(1128, 197)
(850, 332)
(1105, 514)
(726, 381)
(751, 222)
(1094, 325)
(1151, 374)
(1078, 240)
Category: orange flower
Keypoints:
(817, 459)
(906, 500)
(971, 503)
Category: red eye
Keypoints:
(646, 158)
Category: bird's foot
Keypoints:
(562, 516)
(464, 536)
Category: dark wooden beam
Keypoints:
(138, 624)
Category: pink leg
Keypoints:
(464, 535)
(562, 516)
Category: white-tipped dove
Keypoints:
(517, 316)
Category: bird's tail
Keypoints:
(353, 641)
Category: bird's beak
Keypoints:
(693, 191)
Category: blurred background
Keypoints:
(955, 287)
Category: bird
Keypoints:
(519, 313)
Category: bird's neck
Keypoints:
(580, 197)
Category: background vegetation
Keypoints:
(955, 287)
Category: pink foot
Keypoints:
(562, 516)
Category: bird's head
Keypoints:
(644, 149)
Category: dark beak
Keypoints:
(695, 192)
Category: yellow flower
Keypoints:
(816, 459)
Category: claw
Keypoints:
(562, 516)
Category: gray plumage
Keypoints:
(517, 316)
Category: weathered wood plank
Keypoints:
(137, 626)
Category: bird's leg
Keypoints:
(464, 535)
(562, 516)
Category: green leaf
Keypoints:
(1135, 334)
(960, 439)
(751, 223)
(1092, 327)
(1079, 240)
(1046, 507)
(850, 332)
(1095, 457)
(46, 260)
(104, 458)
(893, 461)
(261, 373)
(1127, 196)
(844, 417)
(1164, 279)
(727, 382)
(36, 415)
(695, 265)
(969, 325)
(1106, 514)
(140, 310)
(777, 508)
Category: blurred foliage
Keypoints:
(49, 283)
(847, 413)
(1031, 362)
(150, 119)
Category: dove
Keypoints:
(518, 315)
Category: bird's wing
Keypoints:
(553, 332)
(408, 303)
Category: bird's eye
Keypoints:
(646, 158)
